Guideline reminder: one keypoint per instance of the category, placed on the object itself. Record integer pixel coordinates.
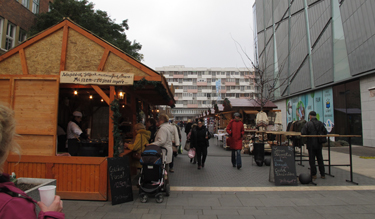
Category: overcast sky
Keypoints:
(194, 33)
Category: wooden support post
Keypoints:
(110, 130)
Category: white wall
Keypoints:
(281, 105)
(368, 110)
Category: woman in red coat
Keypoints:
(236, 131)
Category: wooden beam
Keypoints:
(103, 60)
(25, 71)
(103, 178)
(110, 130)
(64, 48)
(148, 78)
(101, 93)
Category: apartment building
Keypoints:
(16, 18)
(197, 89)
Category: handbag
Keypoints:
(174, 147)
(321, 140)
(187, 146)
(191, 153)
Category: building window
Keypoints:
(35, 9)
(9, 41)
(25, 3)
(23, 36)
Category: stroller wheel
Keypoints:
(159, 198)
(167, 189)
(143, 197)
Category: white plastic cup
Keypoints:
(47, 194)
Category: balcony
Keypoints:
(230, 83)
(201, 83)
(178, 76)
(192, 106)
(194, 91)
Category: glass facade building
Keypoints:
(325, 50)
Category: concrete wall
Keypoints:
(281, 105)
(368, 111)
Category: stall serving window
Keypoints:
(94, 122)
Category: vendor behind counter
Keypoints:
(75, 133)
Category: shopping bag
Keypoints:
(187, 146)
(191, 153)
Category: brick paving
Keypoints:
(220, 191)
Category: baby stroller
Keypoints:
(153, 177)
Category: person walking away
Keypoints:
(163, 137)
(14, 203)
(199, 141)
(314, 127)
(74, 133)
(151, 126)
(179, 149)
(188, 139)
(236, 130)
(141, 139)
(188, 126)
(176, 136)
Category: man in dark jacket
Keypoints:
(199, 141)
(314, 127)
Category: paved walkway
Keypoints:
(220, 191)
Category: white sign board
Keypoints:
(96, 77)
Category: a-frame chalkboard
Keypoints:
(284, 165)
(120, 180)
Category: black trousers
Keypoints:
(319, 156)
(201, 155)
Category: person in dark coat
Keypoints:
(236, 130)
(188, 127)
(314, 127)
(199, 141)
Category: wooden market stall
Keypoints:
(30, 83)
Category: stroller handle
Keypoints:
(166, 151)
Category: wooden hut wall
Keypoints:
(29, 83)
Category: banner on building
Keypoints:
(96, 77)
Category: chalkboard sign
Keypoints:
(119, 180)
(284, 165)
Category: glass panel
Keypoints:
(340, 57)
(347, 105)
